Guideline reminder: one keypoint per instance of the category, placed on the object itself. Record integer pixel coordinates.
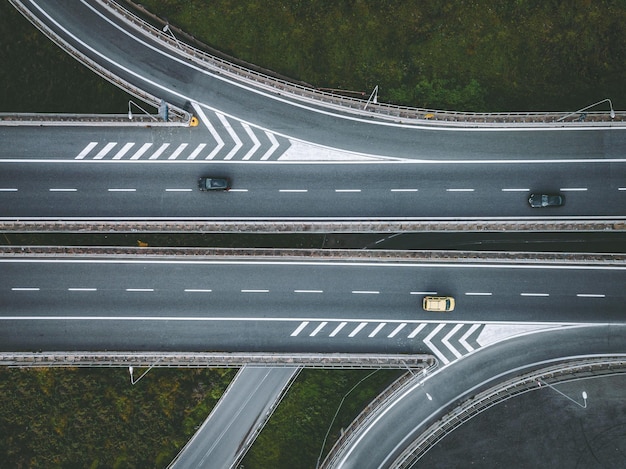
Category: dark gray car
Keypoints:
(213, 184)
(546, 200)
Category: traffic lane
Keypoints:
(311, 291)
(259, 190)
(178, 81)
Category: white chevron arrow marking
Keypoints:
(233, 135)
(463, 340)
(446, 340)
(431, 346)
(272, 149)
(255, 140)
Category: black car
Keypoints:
(213, 184)
(546, 200)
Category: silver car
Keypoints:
(546, 200)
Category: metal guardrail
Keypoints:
(506, 390)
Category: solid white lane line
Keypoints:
(159, 151)
(317, 329)
(255, 141)
(347, 190)
(621, 188)
(459, 190)
(238, 190)
(534, 294)
(90, 146)
(590, 295)
(477, 293)
(122, 190)
(254, 291)
(273, 148)
(308, 291)
(515, 190)
(357, 329)
(8, 189)
(178, 190)
(81, 289)
(417, 330)
(123, 150)
(139, 153)
(377, 330)
(365, 292)
(292, 190)
(178, 151)
(403, 190)
(463, 340)
(299, 328)
(63, 190)
(423, 293)
(197, 290)
(196, 152)
(25, 289)
(233, 135)
(446, 341)
(107, 148)
(396, 330)
(337, 329)
(573, 189)
(140, 289)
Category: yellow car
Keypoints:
(440, 304)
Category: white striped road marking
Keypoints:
(403, 190)
(377, 330)
(8, 189)
(423, 293)
(365, 292)
(233, 135)
(477, 293)
(107, 148)
(82, 289)
(25, 289)
(90, 146)
(272, 149)
(62, 190)
(123, 150)
(293, 190)
(308, 291)
(238, 190)
(446, 340)
(590, 295)
(417, 330)
(347, 190)
(396, 330)
(122, 190)
(159, 151)
(534, 294)
(255, 291)
(459, 190)
(463, 340)
(317, 329)
(255, 141)
(197, 290)
(139, 153)
(140, 289)
(337, 329)
(299, 328)
(178, 190)
(357, 329)
(178, 151)
(515, 190)
(430, 345)
(195, 153)
(573, 189)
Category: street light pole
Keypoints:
(584, 394)
(130, 114)
(167, 29)
(611, 113)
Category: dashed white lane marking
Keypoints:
(318, 328)
(233, 135)
(365, 292)
(159, 151)
(62, 190)
(197, 290)
(272, 149)
(178, 190)
(123, 150)
(337, 329)
(81, 289)
(423, 293)
(432, 346)
(107, 148)
(178, 151)
(8, 189)
(459, 190)
(463, 340)
(255, 291)
(357, 329)
(90, 146)
(403, 190)
(347, 190)
(515, 190)
(534, 294)
(590, 295)
(478, 293)
(446, 341)
(299, 328)
(238, 190)
(121, 190)
(25, 289)
(621, 188)
(377, 330)
(256, 144)
(196, 151)
(417, 330)
(139, 153)
(140, 289)
(308, 291)
(293, 190)
(573, 189)
(396, 330)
